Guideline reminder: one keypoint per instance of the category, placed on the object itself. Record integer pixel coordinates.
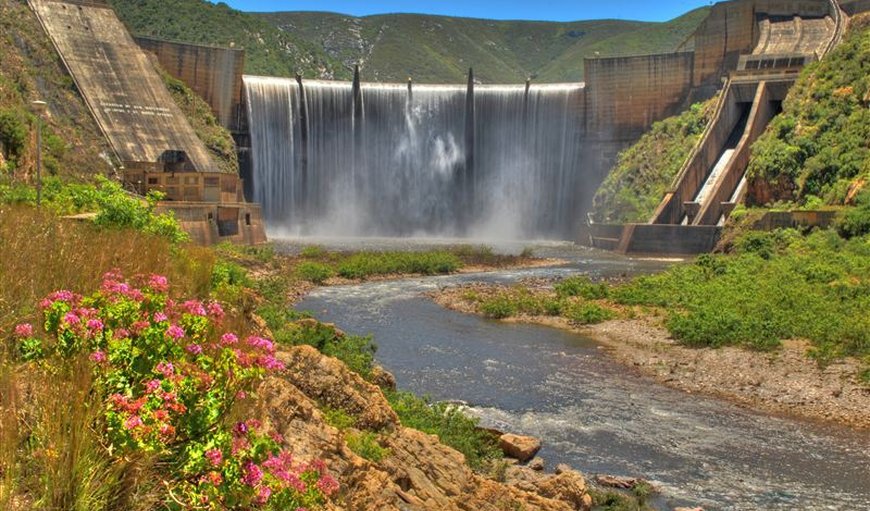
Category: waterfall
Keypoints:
(396, 166)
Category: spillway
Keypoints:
(501, 162)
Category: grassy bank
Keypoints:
(773, 287)
(317, 265)
(80, 427)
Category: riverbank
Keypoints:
(785, 381)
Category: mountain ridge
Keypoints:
(393, 47)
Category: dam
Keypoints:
(415, 160)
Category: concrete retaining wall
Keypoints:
(763, 110)
(669, 239)
(727, 32)
(209, 224)
(122, 89)
(213, 73)
(693, 175)
(626, 95)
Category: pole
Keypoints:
(38, 161)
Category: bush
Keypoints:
(355, 351)
(855, 222)
(499, 307)
(367, 264)
(583, 287)
(365, 444)
(166, 378)
(450, 424)
(588, 313)
(315, 273)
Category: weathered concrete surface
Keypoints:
(626, 95)
(212, 72)
(123, 90)
(211, 223)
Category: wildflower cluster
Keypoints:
(169, 375)
(247, 469)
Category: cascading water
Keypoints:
(396, 164)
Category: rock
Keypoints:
(622, 483)
(537, 464)
(569, 486)
(328, 381)
(519, 447)
(418, 473)
(383, 378)
(561, 467)
(688, 509)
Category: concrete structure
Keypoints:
(209, 224)
(214, 73)
(149, 134)
(124, 92)
(762, 46)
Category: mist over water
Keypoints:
(397, 165)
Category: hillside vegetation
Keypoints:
(394, 47)
(269, 51)
(820, 145)
(635, 187)
(440, 49)
(31, 70)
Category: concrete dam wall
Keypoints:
(400, 160)
(125, 94)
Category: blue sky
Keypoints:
(551, 10)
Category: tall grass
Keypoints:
(50, 456)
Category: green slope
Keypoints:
(394, 47)
(269, 50)
(440, 49)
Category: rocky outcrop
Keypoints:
(332, 384)
(566, 485)
(418, 473)
(522, 448)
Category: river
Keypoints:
(593, 413)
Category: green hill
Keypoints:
(441, 49)
(394, 47)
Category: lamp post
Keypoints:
(39, 108)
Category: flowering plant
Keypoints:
(168, 376)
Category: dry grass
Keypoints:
(50, 454)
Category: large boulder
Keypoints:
(519, 447)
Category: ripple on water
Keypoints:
(592, 413)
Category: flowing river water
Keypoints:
(593, 413)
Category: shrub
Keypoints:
(499, 307)
(588, 313)
(450, 424)
(166, 378)
(855, 222)
(313, 252)
(581, 286)
(365, 444)
(355, 351)
(315, 273)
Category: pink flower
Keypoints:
(152, 385)
(194, 349)
(175, 331)
(167, 430)
(160, 317)
(133, 422)
(215, 310)
(121, 333)
(62, 296)
(270, 363)
(194, 307)
(98, 356)
(24, 330)
(215, 457)
(71, 319)
(264, 494)
(228, 339)
(241, 429)
(95, 325)
(259, 342)
(158, 283)
(327, 484)
(252, 474)
(165, 368)
(241, 394)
